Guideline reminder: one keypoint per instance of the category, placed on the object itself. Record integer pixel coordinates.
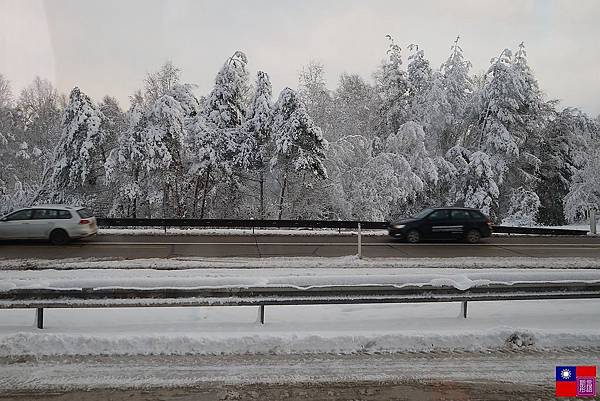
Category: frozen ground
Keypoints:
(309, 262)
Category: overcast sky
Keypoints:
(108, 46)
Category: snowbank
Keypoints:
(343, 262)
(491, 326)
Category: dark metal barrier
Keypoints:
(332, 224)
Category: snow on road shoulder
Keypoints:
(491, 326)
(301, 278)
(343, 262)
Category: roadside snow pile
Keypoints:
(428, 328)
(293, 278)
(343, 262)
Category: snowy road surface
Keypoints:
(67, 373)
(157, 246)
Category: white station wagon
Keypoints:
(57, 223)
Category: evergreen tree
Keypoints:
(562, 154)
(313, 92)
(392, 87)
(255, 150)
(299, 143)
(78, 156)
(420, 81)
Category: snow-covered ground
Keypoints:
(342, 262)
(491, 326)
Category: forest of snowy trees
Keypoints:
(411, 137)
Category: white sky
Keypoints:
(107, 47)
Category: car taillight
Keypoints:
(488, 222)
(84, 221)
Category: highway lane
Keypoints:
(165, 246)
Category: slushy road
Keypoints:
(168, 246)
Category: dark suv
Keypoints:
(443, 223)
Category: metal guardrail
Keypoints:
(333, 224)
(262, 296)
(234, 223)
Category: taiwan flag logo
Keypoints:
(575, 381)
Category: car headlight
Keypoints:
(398, 226)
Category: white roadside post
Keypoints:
(359, 242)
(593, 220)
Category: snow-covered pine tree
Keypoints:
(164, 138)
(78, 158)
(454, 98)
(474, 184)
(563, 152)
(511, 104)
(226, 104)
(419, 82)
(299, 146)
(255, 150)
(125, 165)
(391, 85)
(584, 191)
(217, 133)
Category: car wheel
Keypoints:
(59, 237)
(473, 236)
(413, 236)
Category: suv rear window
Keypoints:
(477, 215)
(461, 215)
(85, 213)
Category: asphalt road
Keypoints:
(157, 246)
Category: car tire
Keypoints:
(413, 236)
(59, 237)
(473, 236)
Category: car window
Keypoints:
(85, 213)
(439, 215)
(460, 215)
(64, 214)
(44, 214)
(476, 215)
(423, 213)
(20, 215)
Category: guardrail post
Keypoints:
(463, 309)
(261, 314)
(359, 242)
(39, 318)
(593, 220)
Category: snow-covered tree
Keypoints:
(78, 156)
(312, 89)
(299, 146)
(160, 82)
(255, 150)
(353, 108)
(392, 87)
(226, 104)
(447, 103)
(524, 207)
(474, 184)
(125, 165)
(419, 82)
(216, 134)
(164, 137)
(563, 152)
